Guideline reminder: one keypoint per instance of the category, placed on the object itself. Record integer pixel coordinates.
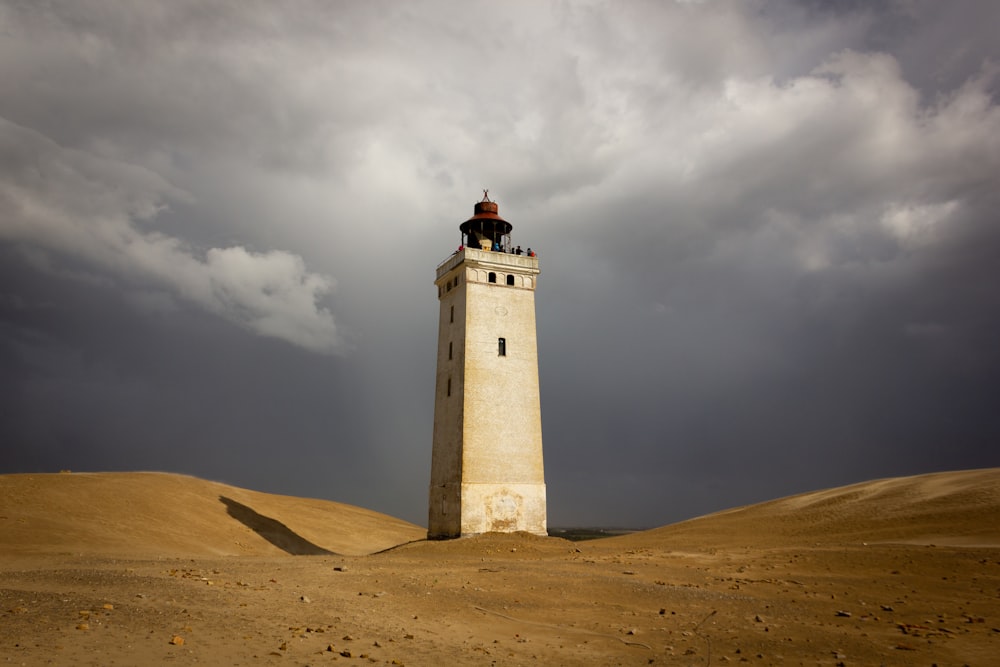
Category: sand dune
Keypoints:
(142, 514)
(149, 568)
(160, 514)
(961, 507)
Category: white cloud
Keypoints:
(86, 207)
(841, 165)
(915, 224)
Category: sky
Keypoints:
(768, 236)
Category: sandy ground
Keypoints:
(146, 568)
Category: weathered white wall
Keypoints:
(487, 469)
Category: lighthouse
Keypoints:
(486, 463)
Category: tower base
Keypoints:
(487, 508)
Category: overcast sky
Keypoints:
(769, 237)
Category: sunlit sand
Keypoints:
(152, 568)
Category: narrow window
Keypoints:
(449, 350)
(449, 386)
(452, 314)
(502, 347)
(493, 277)
(449, 285)
(510, 279)
(456, 281)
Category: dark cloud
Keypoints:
(767, 236)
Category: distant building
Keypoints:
(486, 466)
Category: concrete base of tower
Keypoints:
(494, 508)
(503, 508)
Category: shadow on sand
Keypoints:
(272, 530)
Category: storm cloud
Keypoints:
(767, 233)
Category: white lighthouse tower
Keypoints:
(486, 465)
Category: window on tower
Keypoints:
(510, 279)
(492, 277)
(502, 347)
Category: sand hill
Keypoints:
(148, 568)
(941, 508)
(160, 514)
(150, 514)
